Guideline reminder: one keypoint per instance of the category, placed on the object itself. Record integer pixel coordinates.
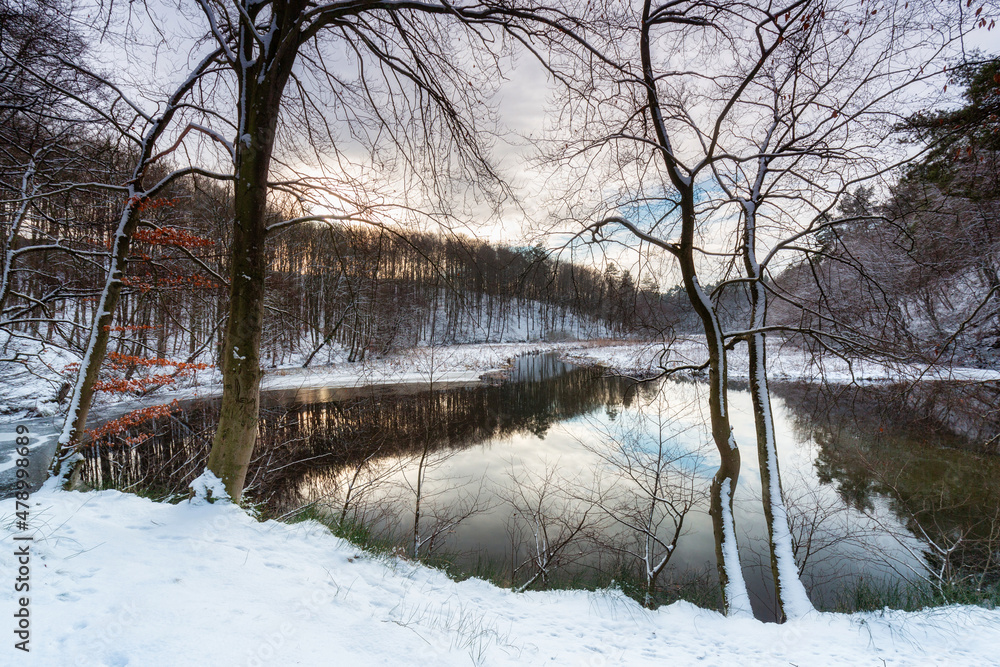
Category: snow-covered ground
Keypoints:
(121, 580)
(29, 394)
(785, 362)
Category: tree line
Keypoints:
(912, 270)
(331, 287)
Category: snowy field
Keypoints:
(120, 580)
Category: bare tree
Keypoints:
(732, 132)
(56, 171)
(137, 193)
(407, 72)
(556, 519)
(652, 483)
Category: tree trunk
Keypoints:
(236, 435)
(90, 365)
(791, 596)
(262, 80)
(736, 600)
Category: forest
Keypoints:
(359, 288)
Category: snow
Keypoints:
(27, 392)
(208, 488)
(737, 598)
(30, 386)
(215, 586)
(121, 580)
(785, 363)
(8, 451)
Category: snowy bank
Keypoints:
(120, 580)
(27, 393)
(785, 362)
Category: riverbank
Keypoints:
(219, 586)
(29, 395)
(32, 393)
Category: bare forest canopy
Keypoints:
(919, 268)
(909, 272)
(64, 167)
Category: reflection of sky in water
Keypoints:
(571, 451)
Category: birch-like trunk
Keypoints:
(10, 244)
(792, 598)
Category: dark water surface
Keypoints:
(874, 475)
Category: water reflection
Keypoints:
(566, 473)
(929, 452)
(321, 429)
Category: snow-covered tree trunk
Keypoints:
(97, 345)
(792, 599)
(736, 600)
(90, 365)
(10, 243)
(735, 597)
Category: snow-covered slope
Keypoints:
(120, 580)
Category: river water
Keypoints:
(875, 477)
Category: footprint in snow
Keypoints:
(116, 660)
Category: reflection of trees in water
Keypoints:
(296, 440)
(949, 414)
(920, 448)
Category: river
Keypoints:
(876, 478)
